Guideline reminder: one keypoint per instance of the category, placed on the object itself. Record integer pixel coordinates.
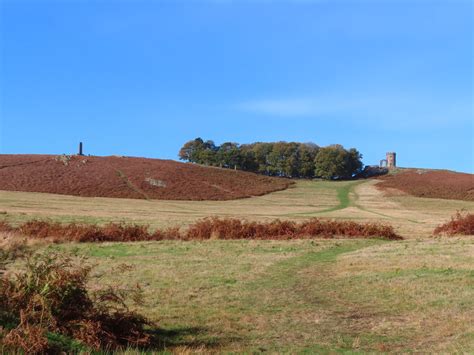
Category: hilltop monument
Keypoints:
(390, 162)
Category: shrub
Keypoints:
(230, 228)
(460, 223)
(5, 227)
(50, 300)
(208, 228)
(84, 232)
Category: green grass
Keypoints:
(342, 190)
(324, 296)
(300, 296)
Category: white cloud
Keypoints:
(402, 111)
(306, 106)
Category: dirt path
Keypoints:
(355, 203)
(131, 185)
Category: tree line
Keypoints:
(285, 159)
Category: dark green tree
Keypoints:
(198, 151)
(229, 155)
(190, 150)
(208, 155)
(287, 159)
(307, 154)
(248, 161)
(334, 162)
(291, 161)
(261, 152)
(354, 165)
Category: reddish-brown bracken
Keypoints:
(208, 228)
(127, 177)
(432, 184)
(51, 296)
(460, 224)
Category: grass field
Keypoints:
(412, 216)
(301, 296)
(324, 296)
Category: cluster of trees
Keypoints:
(301, 160)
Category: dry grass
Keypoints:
(292, 296)
(314, 296)
(307, 197)
(430, 290)
(412, 216)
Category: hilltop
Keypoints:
(129, 177)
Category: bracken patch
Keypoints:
(431, 184)
(207, 228)
(460, 224)
(50, 299)
(127, 177)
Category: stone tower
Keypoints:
(391, 160)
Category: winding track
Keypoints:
(348, 197)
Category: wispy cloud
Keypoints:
(303, 106)
(373, 109)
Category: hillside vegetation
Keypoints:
(126, 177)
(357, 200)
(298, 296)
(287, 159)
(431, 184)
(210, 294)
(208, 228)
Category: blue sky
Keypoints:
(142, 77)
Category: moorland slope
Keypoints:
(431, 183)
(127, 177)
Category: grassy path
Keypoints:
(314, 296)
(347, 196)
(304, 285)
(343, 194)
(355, 203)
(300, 296)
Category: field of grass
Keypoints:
(412, 216)
(415, 295)
(301, 296)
